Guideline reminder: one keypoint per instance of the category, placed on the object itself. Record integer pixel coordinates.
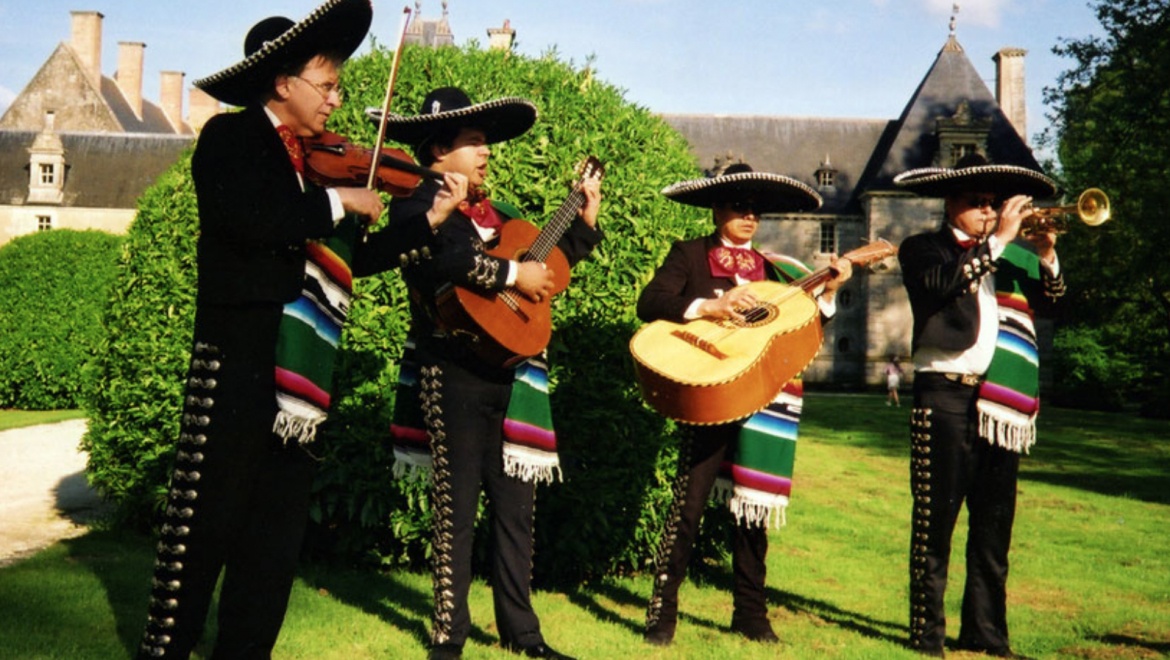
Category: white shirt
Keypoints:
(977, 358)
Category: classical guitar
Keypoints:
(710, 371)
(506, 327)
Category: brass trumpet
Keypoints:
(1092, 208)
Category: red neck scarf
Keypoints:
(292, 143)
(731, 261)
(479, 208)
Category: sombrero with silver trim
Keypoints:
(336, 27)
(500, 119)
(770, 193)
(973, 174)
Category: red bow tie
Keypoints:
(479, 208)
(292, 143)
(731, 261)
(966, 243)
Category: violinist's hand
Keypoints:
(362, 201)
(730, 305)
(453, 192)
(588, 212)
(534, 280)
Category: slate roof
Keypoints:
(792, 146)
(103, 170)
(867, 153)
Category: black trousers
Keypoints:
(950, 463)
(238, 501)
(702, 451)
(464, 412)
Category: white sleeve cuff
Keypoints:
(692, 311)
(335, 205)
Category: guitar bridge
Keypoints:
(701, 344)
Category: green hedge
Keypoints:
(52, 290)
(617, 454)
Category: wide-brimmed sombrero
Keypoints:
(768, 193)
(500, 119)
(973, 174)
(337, 27)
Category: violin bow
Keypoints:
(377, 151)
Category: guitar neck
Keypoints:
(556, 227)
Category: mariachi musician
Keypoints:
(974, 291)
(704, 278)
(452, 405)
(239, 492)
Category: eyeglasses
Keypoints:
(740, 207)
(324, 89)
(980, 202)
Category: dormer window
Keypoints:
(960, 150)
(826, 175)
(48, 174)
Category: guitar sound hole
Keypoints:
(754, 317)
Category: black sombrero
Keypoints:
(973, 174)
(336, 27)
(771, 193)
(500, 119)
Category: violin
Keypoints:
(332, 160)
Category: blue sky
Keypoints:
(846, 58)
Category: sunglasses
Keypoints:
(977, 202)
(740, 207)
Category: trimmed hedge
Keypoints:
(53, 286)
(618, 455)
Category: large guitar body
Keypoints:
(714, 372)
(505, 327)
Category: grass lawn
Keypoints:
(14, 419)
(1090, 571)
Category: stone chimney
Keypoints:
(129, 76)
(86, 41)
(203, 107)
(171, 93)
(501, 38)
(1009, 87)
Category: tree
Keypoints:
(1111, 126)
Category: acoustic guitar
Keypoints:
(710, 371)
(505, 327)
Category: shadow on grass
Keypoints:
(384, 596)
(1115, 454)
(591, 601)
(122, 562)
(1129, 643)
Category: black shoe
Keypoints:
(539, 650)
(757, 630)
(661, 634)
(445, 652)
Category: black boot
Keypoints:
(662, 614)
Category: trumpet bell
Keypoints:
(1093, 207)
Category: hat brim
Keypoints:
(499, 119)
(771, 193)
(337, 26)
(1001, 180)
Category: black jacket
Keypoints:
(942, 280)
(254, 218)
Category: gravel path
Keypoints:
(43, 493)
